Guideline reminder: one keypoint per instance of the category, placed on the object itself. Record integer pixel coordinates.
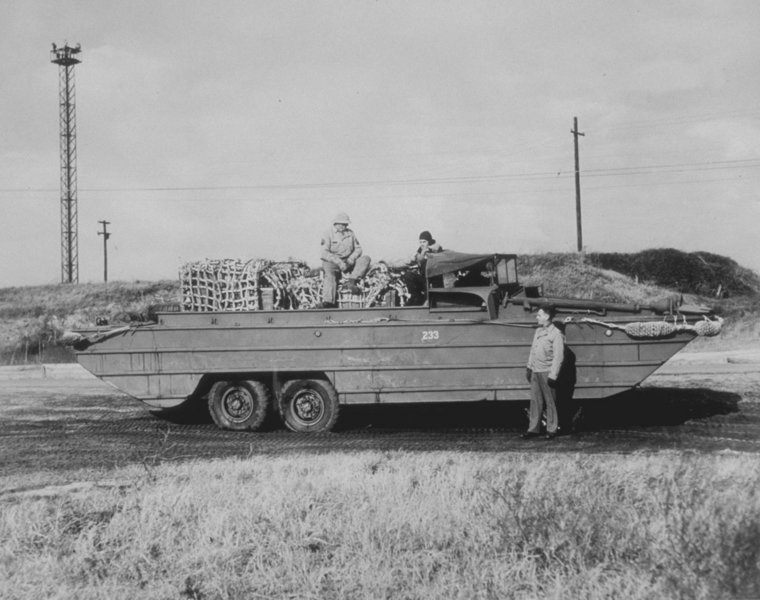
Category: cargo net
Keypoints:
(235, 285)
(220, 284)
(663, 329)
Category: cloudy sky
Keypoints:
(238, 129)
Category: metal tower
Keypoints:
(65, 59)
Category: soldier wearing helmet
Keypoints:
(341, 256)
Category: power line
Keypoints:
(545, 175)
(657, 183)
(538, 175)
(460, 195)
(663, 172)
(679, 120)
(730, 163)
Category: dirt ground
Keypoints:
(698, 401)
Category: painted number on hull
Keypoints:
(430, 335)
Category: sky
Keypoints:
(238, 129)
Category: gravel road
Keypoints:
(700, 401)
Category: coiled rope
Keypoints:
(661, 329)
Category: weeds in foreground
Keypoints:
(393, 525)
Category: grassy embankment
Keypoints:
(372, 525)
(655, 275)
(32, 319)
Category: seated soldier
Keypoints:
(427, 245)
(341, 255)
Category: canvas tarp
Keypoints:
(448, 262)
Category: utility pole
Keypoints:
(576, 133)
(105, 235)
(65, 58)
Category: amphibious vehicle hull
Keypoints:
(370, 355)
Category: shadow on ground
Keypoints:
(653, 407)
(644, 407)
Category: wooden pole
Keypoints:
(105, 235)
(579, 227)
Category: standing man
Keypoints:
(341, 255)
(544, 363)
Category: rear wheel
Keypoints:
(309, 405)
(239, 405)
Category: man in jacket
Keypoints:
(544, 364)
(427, 245)
(341, 255)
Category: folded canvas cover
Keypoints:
(449, 261)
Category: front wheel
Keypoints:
(239, 405)
(309, 405)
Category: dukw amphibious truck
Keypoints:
(469, 342)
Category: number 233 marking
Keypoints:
(430, 335)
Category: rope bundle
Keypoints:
(382, 280)
(707, 327)
(306, 289)
(235, 285)
(661, 329)
(650, 329)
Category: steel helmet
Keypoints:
(341, 218)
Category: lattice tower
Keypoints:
(64, 57)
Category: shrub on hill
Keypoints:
(563, 275)
(701, 273)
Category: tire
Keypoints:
(309, 405)
(239, 405)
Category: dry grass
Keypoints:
(371, 525)
(33, 318)
(564, 275)
(67, 298)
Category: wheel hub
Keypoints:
(308, 406)
(237, 404)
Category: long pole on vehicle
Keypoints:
(576, 133)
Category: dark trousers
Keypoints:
(542, 397)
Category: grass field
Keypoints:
(374, 525)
